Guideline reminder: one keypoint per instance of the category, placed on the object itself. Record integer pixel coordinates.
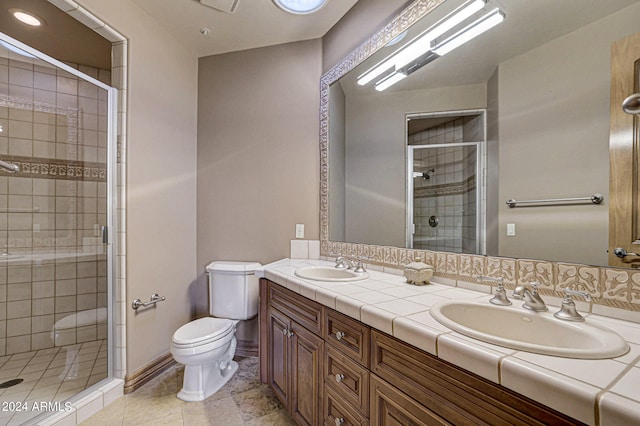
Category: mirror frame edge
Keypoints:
(399, 23)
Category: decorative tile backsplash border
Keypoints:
(609, 287)
(46, 168)
(445, 189)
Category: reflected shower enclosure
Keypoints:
(445, 189)
(54, 275)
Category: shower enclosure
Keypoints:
(445, 185)
(55, 264)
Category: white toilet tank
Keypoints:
(233, 289)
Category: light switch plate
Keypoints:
(511, 229)
(299, 230)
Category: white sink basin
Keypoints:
(538, 332)
(328, 273)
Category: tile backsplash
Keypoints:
(615, 291)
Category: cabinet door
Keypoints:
(307, 353)
(278, 355)
(390, 407)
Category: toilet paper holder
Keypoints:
(155, 298)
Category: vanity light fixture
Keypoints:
(390, 80)
(468, 33)
(27, 18)
(421, 44)
(300, 7)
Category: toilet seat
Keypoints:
(202, 331)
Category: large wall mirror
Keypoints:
(521, 111)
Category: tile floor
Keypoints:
(47, 377)
(244, 401)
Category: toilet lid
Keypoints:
(201, 330)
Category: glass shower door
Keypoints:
(444, 197)
(55, 128)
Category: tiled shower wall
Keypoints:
(54, 126)
(450, 192)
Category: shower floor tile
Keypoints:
(46, 378)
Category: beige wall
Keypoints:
(161, 166)
(258, 156)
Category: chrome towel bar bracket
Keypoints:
(155, 298)
(595, 199)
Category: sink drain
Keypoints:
(10, 383)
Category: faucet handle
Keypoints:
(340, 263)
(568, 311)
(500, 296)
(569, 292)
(534, 285)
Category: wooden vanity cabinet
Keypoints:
(295, 354)
(329, 369)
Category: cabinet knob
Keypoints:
(285, 331)
(339, 377)
(339, 335)
(289, 333)
(339, 421)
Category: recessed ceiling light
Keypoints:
(300, 7)
(27, 17)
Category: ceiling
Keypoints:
(255, 23)
(77, 43)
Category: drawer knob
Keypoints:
(339, 421)
(339, 335)
(287, 332)
(339, 377)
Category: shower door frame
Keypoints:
(108, 234)
(480, 190)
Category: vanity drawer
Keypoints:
(305, 312)
(338, 412)
(349, 336)
(347, 378)
(452, 393)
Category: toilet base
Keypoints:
(211, 374)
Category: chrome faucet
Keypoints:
(348, 262)
(532, 299)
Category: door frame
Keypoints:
(624, 140)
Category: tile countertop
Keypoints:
(597, 392)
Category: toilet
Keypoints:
(206, 346)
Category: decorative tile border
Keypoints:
(612, 287)
(455, 188)
(46, 168)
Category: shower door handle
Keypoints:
(105, 234)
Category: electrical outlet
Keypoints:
(299, 230)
